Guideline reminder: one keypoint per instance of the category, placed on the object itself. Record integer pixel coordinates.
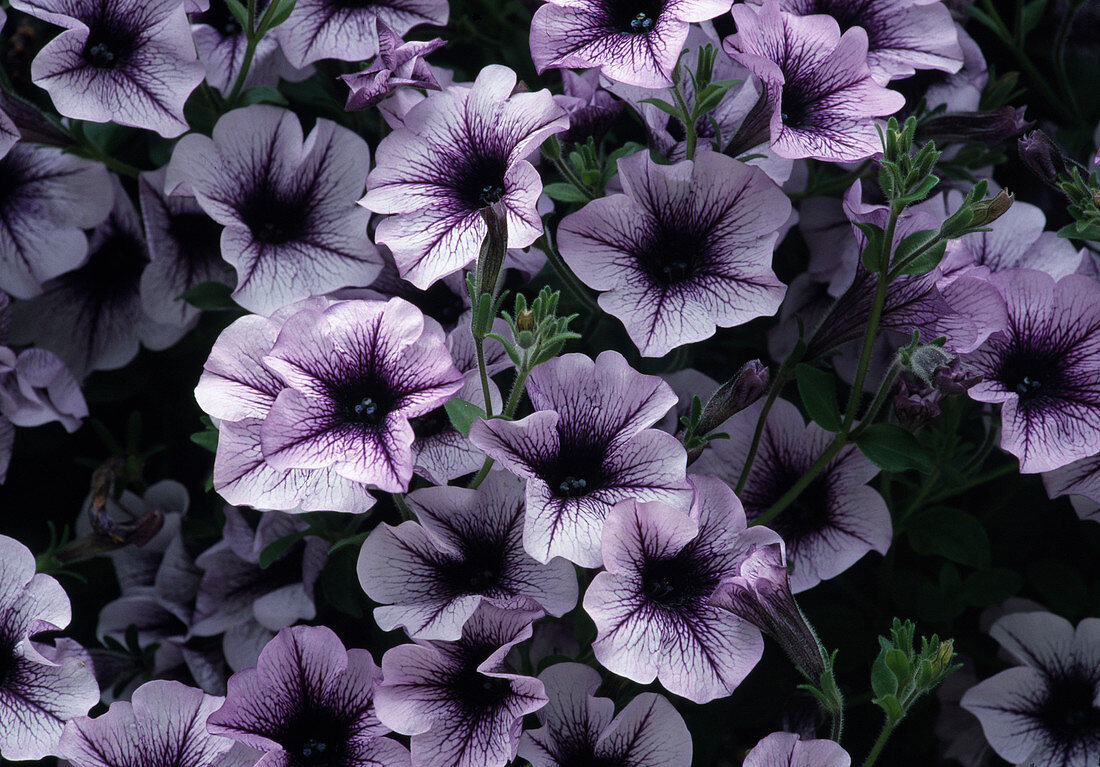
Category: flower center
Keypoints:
(197, 236)
(316, 737)
(490, 194)
(1068, 712)
(431, 424)
(479, 178)
(1028, 387)
(108, 45)
(113, 271)
(1035, 374)
(674, 256)
(314, 751)
(7, 661)
(807, 516)
(368, 411)
(634, 17)
(273, 218)
(794, 106)
(642, 23)
(363, 402)
(578, 468)
(675, 582)
(572, 487)
(480, 692)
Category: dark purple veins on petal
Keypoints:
(110, 43)
(1035, 374)
(198, 237)
(808, 515)
(1068, 712)
(274, 218)
(7, 660)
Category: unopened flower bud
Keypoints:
(953, 379)
(1042, 156)
(525, 320)
(924, 360)
(988, 211)
(735, 395)
(914, 406)
(988, 127)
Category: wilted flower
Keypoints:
(398, 64)
(785, 749)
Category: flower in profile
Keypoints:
(586, 447)
(1044, 368)
(129, 61)
(164, 718)
(837, 518)
(632, 44)
(580, 728)
(687, 247)
(436, 178)
(466, 550)
(292, 228)
(822, 95)
(786, 749)
(49, 198)
(184, 251)
(651, 605)
(902, 35)
(308, 701)
(347, 31)
(355, 374)
(37, 388)
(41, 686)
(221, 43)
(92, 317)
(398, 64)
(591, 108)
(460, 703)
(1079, 480)
(1047, 709)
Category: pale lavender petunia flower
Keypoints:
(346, 29)
(287, 202)
(651, 605)
(587, 447)
(460, 703)
(92, 317)
(822, 95)
(41, 686)
(1044, 368)
(786, 749)
(399, 63)
(467, 549)
(164, 723)
(221, 44)
(50, 196)
(902, 35)
(37, 388)
(633, 44)
(355, 374)
(1079, 480)
(688, 247)
(834, 522)
(591, 108)
(459, 151)
(308, 701)
(579, 728)
(126, 61)
(1045, 711)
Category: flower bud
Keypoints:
(1042, 156)
(953, 379)
(923, 360)
(734, 395)
(988, 211)
(988, 127)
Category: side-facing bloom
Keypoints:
(1045, 711)
(687, 247)
(633, 44)
(579, 728)
(837, 518)
(292, 228)
(651, 605)
(355, 374)
(458, 700)
(127, 61)
(1079, 480)
(786, 749)
(467, 549)
(37, 388)
(822, 95)
(398, 64)
(41, 686)
(347, 31)
(902, 35)
(1044, 368)
(592, 109)
(587, 447)
(49, 198)
(165, 723)
(308, 701)
(461, 150)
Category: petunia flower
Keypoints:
(786, 749)
(92, 317)
(837, 518)
(688, 247)
(292, 228)
(399, 63)
(37, 388)
(586, 447)
(126, 61)
(50, 196)
(633, 44)
(459, 702)
(822, 95)
(221, 44)
(592, 109)
(1044, 368)
(651, 605)
(41, 686)
(165, 720)
(902, 35)
(355, 374)
(1079, 480)
(347, 31)
(1046, 710)
(466, 550)
(580, 728)
(308, 701)
(436, 177)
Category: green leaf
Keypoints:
(890, 704)
(953, 534)
(278, 547)
(1080, 230)
(873, 257)
(276, 14)
(263, 94)
(239, 12)
(563, 192)
(462, 414)
(928, 260)
(883, 681)
(210, 296)
(208, 437)
(1033, 14)
(991, 587)
(665, 107)
(892, 448)
(817, 388)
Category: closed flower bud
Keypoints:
(952, 379)
(735, 395)
(1042, 156)
(988, 211)
(987, 127)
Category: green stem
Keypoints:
(570, 175)
(876, 749)
(689, 124)
(836, 731)
(773, 393)
(402, 506)
(880, 398)
(249, 54)
(514, 397)
(575, 286)
(1060, 55)
(479, 347)
(118, 166)
(981, 479)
